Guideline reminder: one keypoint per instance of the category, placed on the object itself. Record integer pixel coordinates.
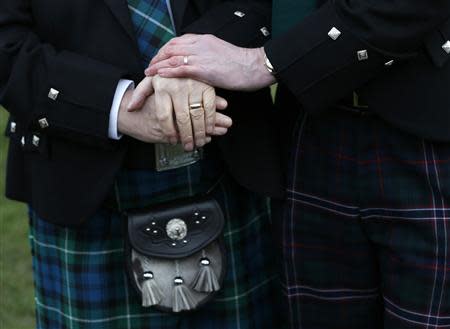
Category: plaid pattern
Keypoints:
(81, 283)
(153, 26)
(366, 229)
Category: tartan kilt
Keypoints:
(80, 278)
(366, 229)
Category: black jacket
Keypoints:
(82, 48)
(412, 92)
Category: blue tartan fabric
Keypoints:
(153, 26)
(366, 228)
(81, 281)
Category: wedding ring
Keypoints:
(195, 106)
(186, 60)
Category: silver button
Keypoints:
(239, 14)
(389, 63)
(176, 229)
(43, 123)
(53, 94)
(36, 140)
(22, 141)
(446, 47)
(363, 55)
(12, 127)
(265, 31)
(334, 33)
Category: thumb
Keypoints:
(140, 94)
(221, 103)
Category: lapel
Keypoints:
(178, 8)
(120, 10)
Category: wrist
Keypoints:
(123, 120)
(260, 74)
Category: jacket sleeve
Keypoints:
(72, 92)
(243, 23)
(369, 37)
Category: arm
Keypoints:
(72, 92)
(318, 69)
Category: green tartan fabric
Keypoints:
(81, 282)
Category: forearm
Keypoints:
(82, 88)
(320, 70)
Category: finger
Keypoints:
(183, 119)
(170, 62)
(219, 131)
(185, 39)
(164, 114)
(198, 117)
(221, 103)
(208, 139)
(209, 104)
(185, 71)
(171, 51)
(140, 94)
(223, 120)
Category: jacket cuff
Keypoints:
(325, 61)
(244, 25)
(77, 98)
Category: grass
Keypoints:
(16, 283)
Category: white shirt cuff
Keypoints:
(122, 87)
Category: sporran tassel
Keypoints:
(183, 300)
(206, 280)
(151, 293)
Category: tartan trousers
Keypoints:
(366, 226)
(80, 278)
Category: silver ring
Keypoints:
(186, 60)
(195, 106)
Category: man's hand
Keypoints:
(147, 121)
(173, 100)
(214, 61)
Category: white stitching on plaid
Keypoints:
(415, 313)
(445, 228)
(412, 321)
(248, 292)
(113, 318)
(294, 268)
(324, 208)
(140, 13)
(324, 200)
(435, 232)
(72, 252)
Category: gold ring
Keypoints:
(195, 106)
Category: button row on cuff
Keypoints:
(363, 54)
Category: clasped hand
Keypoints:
(162, 110)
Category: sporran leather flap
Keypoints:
(175, 255)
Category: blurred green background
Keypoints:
(16, 283)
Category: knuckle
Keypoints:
(163, 116)
(173, 61)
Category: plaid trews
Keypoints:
(81, 282)
(366, 231)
